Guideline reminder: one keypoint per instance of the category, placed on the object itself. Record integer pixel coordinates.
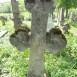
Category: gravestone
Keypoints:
(66, 28)
(40, 10)
(39, 19)
(39, 39)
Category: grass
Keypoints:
(26, 14)
(28, 23)
(73, 29)
(5, 14)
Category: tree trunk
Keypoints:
(71, 16)
(15, 9)
(36, 60)
(60, 17)
(66, 13)
(61, 14)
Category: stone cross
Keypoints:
(38, 39)
(40, 9)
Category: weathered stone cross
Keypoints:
(54, 39)
(37, 39)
